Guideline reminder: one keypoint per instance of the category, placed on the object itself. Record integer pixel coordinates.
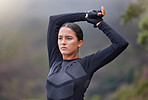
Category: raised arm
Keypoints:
(55, 23)
(101, 58)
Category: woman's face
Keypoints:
(68, 42)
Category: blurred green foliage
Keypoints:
(95, 97)
(143, 35)
(21, 77)
(138, 91)
(135, 11)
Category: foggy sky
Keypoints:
(28, 15)
(17, 11)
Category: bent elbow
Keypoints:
(51, 18)
(124, 44)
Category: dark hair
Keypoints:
(76, 28)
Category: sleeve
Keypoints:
(55, 23)
(102, 57)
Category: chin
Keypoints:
(64, 53)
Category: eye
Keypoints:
(59, 38)
(69, 38)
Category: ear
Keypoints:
(80, 43)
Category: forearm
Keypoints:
(103, 57)
(114, 36)
(69, 17)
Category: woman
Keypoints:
(69, 76)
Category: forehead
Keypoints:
(64, 31)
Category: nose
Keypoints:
(63, 41)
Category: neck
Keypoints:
(70, 57)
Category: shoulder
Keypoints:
(55, 64)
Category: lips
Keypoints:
(63, 48)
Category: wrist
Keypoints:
(83, 16)
(97, 24)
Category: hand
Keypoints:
(95, 16)
(95, 13)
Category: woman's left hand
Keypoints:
(102, 11)
(95, 13)
(95, 16)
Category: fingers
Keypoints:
(100, 13)
(86, 15)
(103, 10)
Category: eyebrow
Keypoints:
(65, 36)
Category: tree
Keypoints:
(135, 11)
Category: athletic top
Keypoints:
(69, 79)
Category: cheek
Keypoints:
(73, 44)
(58, 42)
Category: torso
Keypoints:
(67, 80)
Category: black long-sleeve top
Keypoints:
(69, 79)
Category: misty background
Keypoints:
(23, 48)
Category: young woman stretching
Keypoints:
(69, 76)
